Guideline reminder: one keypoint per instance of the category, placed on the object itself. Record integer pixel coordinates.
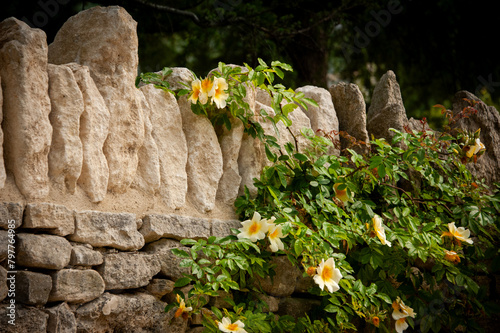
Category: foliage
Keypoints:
(385, 235)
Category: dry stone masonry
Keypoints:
(100, 179)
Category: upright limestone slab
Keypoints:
(148, 177)
(26, 106)
(323, 117)
(170, 139)
(351, 111)
(94, 125)
(105, 40)
(387, 109)
(65, 156)
(204, 163)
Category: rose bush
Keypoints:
(403, 228)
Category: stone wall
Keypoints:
(99, 179)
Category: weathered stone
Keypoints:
(272, 302)
(297, 307)
(386, 109)
(26, 106)
(94, 128)
(204, 164)
(105, 40)
(118, 230)
(250, 163)
(32, 288)
(84, 255)
(230, 144)
(172, 147)
(11, 211)
(26, 319)
(283, 283)
(160, 287)
(157, 226)
(323, 117)
(138, 312)
(56, 218)
(42, 251)
(61, 319)
(148, 177)
(299, 122)
(3, 174)
(488, 120)
(4, 245)
(66, 100)
(170, 263)
(223, 228)
(351, 112)
(76, 285)
(4, 287)
(139, 270)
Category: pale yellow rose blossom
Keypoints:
(327, 275)
(459, 233)
(218, 92)
(379, 230)
(275, 234)
(196, 90)
(401, 311)
(254, 229)
(205, 90)
(228, 327)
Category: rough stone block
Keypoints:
(222, 228)
(11, 211)
(61, 319)
(27, 319)
(42, 251)
(160, 287)
(32, 288)
(26, 106)
(128, 270)
(84, 255)
(157, 226)
(76, 285)
(100, 229)
(56, 218)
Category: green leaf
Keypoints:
(180, 253)
(182, 282)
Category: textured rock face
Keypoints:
(386, 109)
(66, 100)
(26, 106)
(148, 177)
(283, 283)
(230, 143)
(323, 117)
(84, 255)
(3, 175)
(113, 313)
(42, 251)
(61, 319)
(107, 229)
(167, 132)
(351, 111)
(488, 120)
(173, 226)
(34, 288)
(28, 319)
(11, 211)
(56, 218)
(105, 40)
(4, 289)
(128, 270)
(169, 262)
(205, 163)
(76, 286)
(94, 126)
